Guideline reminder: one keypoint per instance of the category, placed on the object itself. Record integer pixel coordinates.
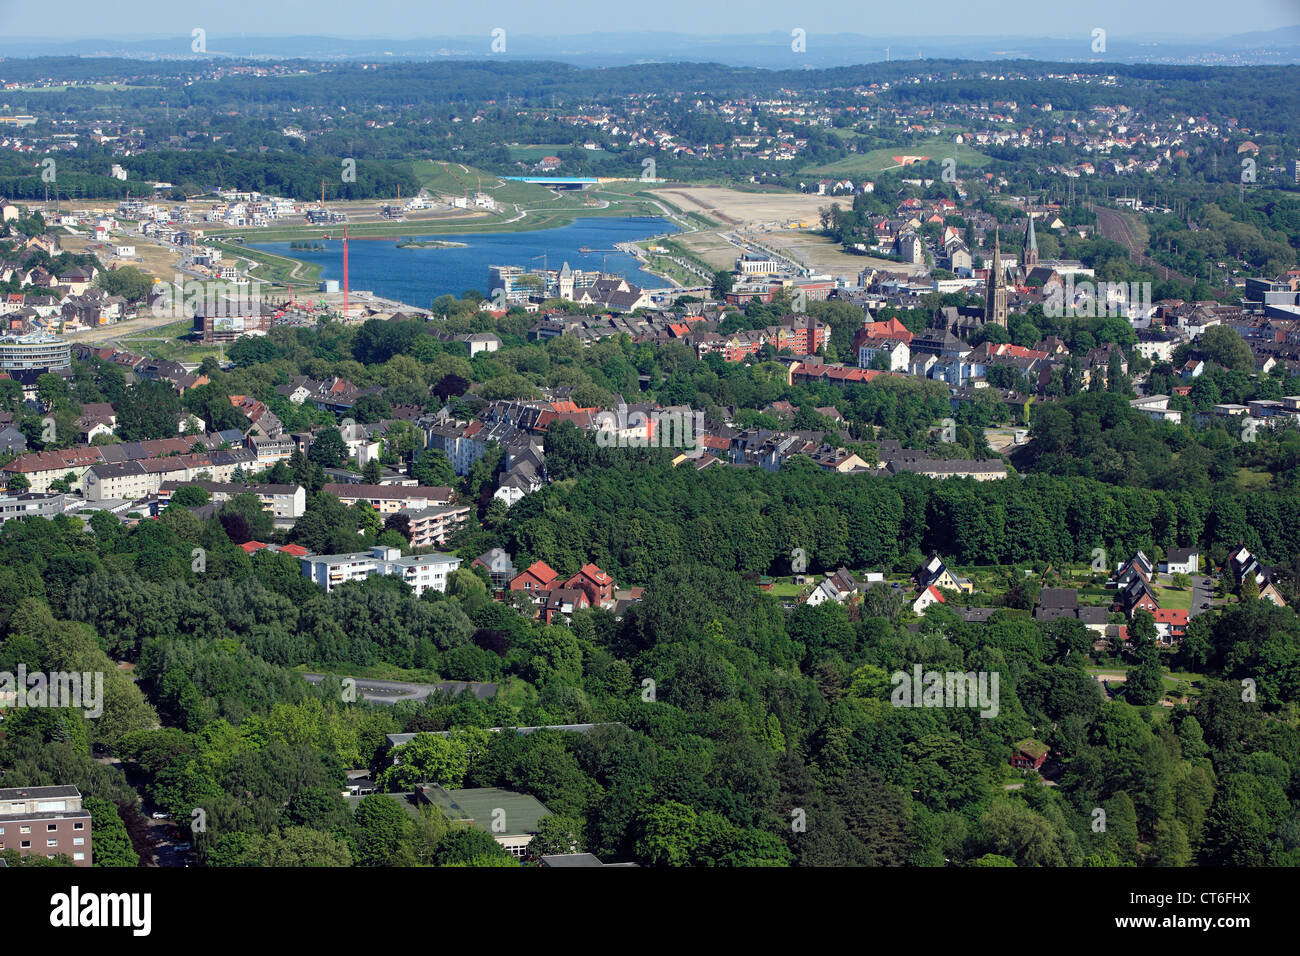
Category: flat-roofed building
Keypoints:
(282, 501)
(36, 350)
(45, 821)
(31, 505)
(388, 499)
(433, 526)
(513, 819)
(420, 571)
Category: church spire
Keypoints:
(1030, 255)
(995, 298)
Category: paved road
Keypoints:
(1202, 594)
(391, 691)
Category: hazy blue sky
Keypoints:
(418, 18)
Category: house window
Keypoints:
(51, 842)
(26, 829)
(78, 826)
(26, 844)
(78, 856)
(51, 827)
(78, 841)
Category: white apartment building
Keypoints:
(420, 571)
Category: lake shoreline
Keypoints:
(456, 263)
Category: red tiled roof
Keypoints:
(542, 571)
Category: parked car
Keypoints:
(160, 815)
(1204, 607)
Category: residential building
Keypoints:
(539, 576)
(499, 566)
(563, 603)
(929, 595)
(935, 572)
(420, 571)
(837, 587)
(1182, 561)
(1029, 754)
(1171, 625)
(432, 526)
(390, 499)
(137, 479)
(48, 821)
(282, 501)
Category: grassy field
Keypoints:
(694, 218)
(1171, 679)
(664, 266)
(1249, 479)
(276, 269)
(167, 342)
(1172, 599)
(786, 591)
(880, 159)
(523, 207)
(677, 248)
(456, 179)
(535, 151)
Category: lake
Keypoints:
(418, 276)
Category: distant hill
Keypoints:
(770, 50)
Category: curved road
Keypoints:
(391, 691)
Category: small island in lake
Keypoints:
(429, 244)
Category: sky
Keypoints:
(432, 18)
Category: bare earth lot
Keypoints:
(735, 209)
(784, 220)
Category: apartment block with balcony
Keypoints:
(420, 571)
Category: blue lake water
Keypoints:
(418, 276)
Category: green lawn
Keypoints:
(533, 152)
(785, 591)
(274, 268)
(1174, 599)
(664, 266)
(169, 342)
